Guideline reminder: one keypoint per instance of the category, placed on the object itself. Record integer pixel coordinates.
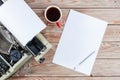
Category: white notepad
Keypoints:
(80, 42)
(20, 20)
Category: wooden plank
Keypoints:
(107, 67)
(65, 78)
(108, 50)
(109, 15)
(53, 34)
(29, 1)
(108, 61)
(75, 3)
(102, 67)
(110, 66)
(112, 33)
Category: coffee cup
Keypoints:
(53, 14)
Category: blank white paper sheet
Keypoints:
(80, 42)
(20, 20)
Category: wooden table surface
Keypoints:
(107, 65)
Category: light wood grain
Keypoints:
(109, 15)
(108, 50)
(29, 1)
(102, 67)
(65, 78)
(53, 34)
(75, 3)
(107, 65)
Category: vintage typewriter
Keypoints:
(13, 54)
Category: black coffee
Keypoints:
(53, 14)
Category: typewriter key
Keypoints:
(15, 56)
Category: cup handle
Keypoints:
(59, 24)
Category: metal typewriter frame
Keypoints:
(26, 57)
